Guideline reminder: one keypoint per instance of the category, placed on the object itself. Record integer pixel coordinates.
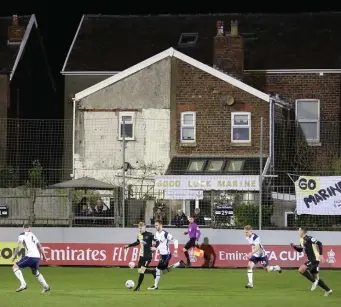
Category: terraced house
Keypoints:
(243, 95)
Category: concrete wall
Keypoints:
(128, 235)
(98, 147)
(73, 85)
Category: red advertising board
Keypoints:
(92, 254)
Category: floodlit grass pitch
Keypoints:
(76, 287)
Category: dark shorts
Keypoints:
(263, 260)
(313, 267)
(164, 261)
(29, 262)
(144, 262)
(190, 244)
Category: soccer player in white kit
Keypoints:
(162, 238)
(258, 254)
(33, 253)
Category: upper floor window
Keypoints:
(126, 120)
(308, 115)
(188, 123)
(241, 127)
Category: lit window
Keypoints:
(235, 165)
(196, 166)
(215, 166)
(126, 119)
(188, 39)
(187, 127)
(308, 116)
(241, 127)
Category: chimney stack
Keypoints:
(16, 32)
(229, 50)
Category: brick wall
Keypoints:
(198, 91)
(326, 88)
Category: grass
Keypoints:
(97, 287)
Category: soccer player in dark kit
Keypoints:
(145, 240)
(314, 251)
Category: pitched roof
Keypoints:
(11, 54)
(272, 41)
(171, 53)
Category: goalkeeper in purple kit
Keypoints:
(194, 236)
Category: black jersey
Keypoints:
(145, 240)
(312, 248)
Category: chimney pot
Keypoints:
(15, 21)
(220, 28)
(234, 28)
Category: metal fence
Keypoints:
(128, 153)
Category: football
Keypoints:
(130, 284)
(131, 264)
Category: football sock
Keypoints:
(323, 285)
(187, 257)
(157, 278)
(149, 271)
(141, 277)
(41, 279)
(308, 276)
(20, 276)
(250, 276)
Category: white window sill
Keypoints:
(241, 143)
(314, 143)
(188, 144)
(127, 139)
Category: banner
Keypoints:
(318, 195)
(7, 252)
(224, 256)
(207, 182)
(184, 194)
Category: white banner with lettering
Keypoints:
(184, 194)
(318, 195)
(207, 183)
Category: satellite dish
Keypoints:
(228, 100)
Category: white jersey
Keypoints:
(164, 238)
(30, 241)
(253, 241)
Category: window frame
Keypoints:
(228, 163)
(317, 121)
(188, 34)
(188, 126)
(212, 161)
(120, 122)
(196, 160)
(233, 114)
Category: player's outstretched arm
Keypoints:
(174, 241)
(132, 244)
(41, 251)
(297, 248)
(16, 251)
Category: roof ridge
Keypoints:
(212, 14)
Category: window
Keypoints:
(241, 127)
(187, 127)
(128, 119)
(235, 165)
(215, 165)
(196, 166)
(188, 39)
(308, 116)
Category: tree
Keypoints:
(34, 182)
